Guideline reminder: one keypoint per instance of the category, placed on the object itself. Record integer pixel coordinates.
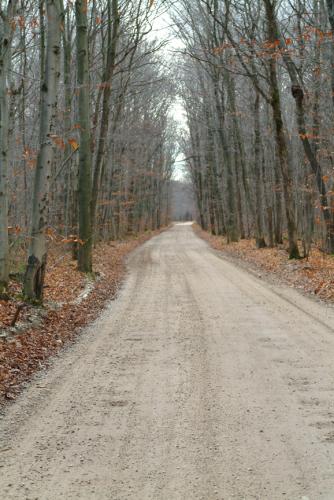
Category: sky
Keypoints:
(162, 29)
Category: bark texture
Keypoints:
(85, 154)
(6, 33)
(34, 277)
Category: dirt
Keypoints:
(72, 301)
(200, 381)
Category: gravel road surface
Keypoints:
(201, 381)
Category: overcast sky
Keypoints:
(162, 30)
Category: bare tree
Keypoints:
(6, 37)
(34, 278)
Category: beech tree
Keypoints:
(6, 37)
(34, 278)
(85, 156)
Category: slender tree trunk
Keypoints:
(239, 198)
(113, 34)
(278, 203)
(5, 63)
(330, 8)
(260, 241)
(22, 117)
(282, 148)
(240, 145)
(34, 277)
(85, 155)
(232, 229)
(286, 173)
(268, 202)
(68, 181)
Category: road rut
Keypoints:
(201, 381)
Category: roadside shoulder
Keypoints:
(296, 282)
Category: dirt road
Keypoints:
(200, 382)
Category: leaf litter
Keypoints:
(313, 275)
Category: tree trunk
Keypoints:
(282, 149)
(68, 186)
(260, 241)
(330, 8)
(5, 63)
(34, 277)
(278, 202)
(232, 229)
(85, 155)
(240, 150)
(113, 33)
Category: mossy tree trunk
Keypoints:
(85, 154)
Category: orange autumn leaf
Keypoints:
(73, 143)
(72, 239)
(32, 163)
(58, 141)
(50, 233)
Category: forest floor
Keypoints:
(313, 275)
(201, 381)
(71, 301)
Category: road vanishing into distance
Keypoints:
(201, 381)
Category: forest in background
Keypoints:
(183, 206)
(257, 84)
(87, 143)
(89, 136)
